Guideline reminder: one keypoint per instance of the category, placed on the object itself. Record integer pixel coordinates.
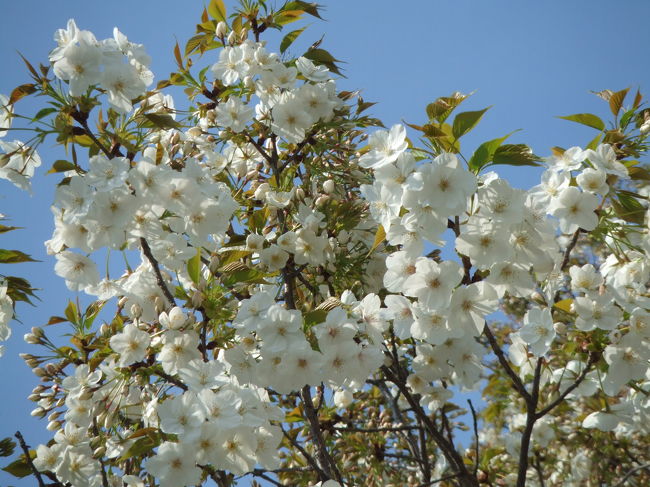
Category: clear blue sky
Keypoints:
(531, 60)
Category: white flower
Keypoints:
(312, 72)
(131, 344)
(575, 210)
(77, 270)
(172, 466)
(538, 331)
(593, 181)
(570, 160)
(385, 147)
(604, 158)
(233, 114)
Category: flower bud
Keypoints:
(39, 371)
(300, 194)
(136, 310)
(559, 327)
(54, 425)
(329, 186)
(232, 38)
(645, 128)
(38, 412)
(342, 398)
(221, 29)
(321, 200)
(195, 132)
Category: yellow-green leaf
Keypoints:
(217, 10)
(380, 236)
(290, 38)
(564, 305)
(588, 119)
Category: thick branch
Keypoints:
(531, 406)
(324, 459)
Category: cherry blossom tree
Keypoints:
(308, 297)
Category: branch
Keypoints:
(475, 425)
(171, 380)
(321, 475)
(324, 459)
(630, 473)
(570, 247)
(593, 358)
(531, 406)
(516, 381)
(156, 269)
(28, 459)
(374, 430)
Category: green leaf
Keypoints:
(639, 173)
(629, 208)
(194, 267)
(616, 101)
(314, 317)
(61, 166)
(466, 121)
(160, 121)
(43, 112)
(247, 276)
(7, 446)
(19, 468)
(217, 10)
(485, 152)
(290, 38)
(14, 257)
(307, 7)
(72, 313)
(588, 119)
(515, 155)
(321, 56)
(4, 228)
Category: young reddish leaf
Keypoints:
(21, 92)
(616, 101)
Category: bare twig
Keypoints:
(593, 358)
(531, 406)
(516, 381)
(156, 269)
(570, 247)
(28, 459)
(310, 460)
(630, 473)
(475, 425)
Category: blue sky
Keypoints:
(531, 60)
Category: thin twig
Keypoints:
(593, 358)
(516, 381)
(28, 459)
(321, 475)
(630, 473)
(156, 269)
(567, 252)
(475, 425)
(531, 406)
